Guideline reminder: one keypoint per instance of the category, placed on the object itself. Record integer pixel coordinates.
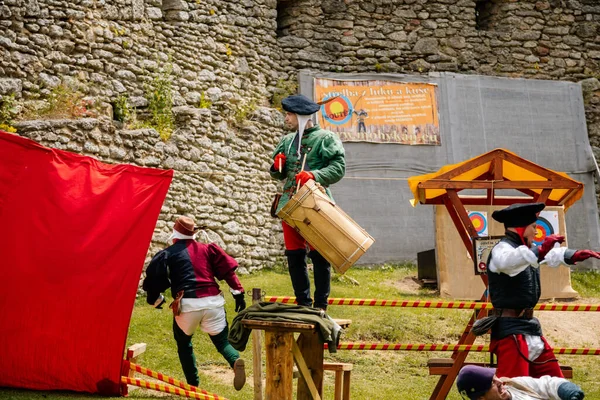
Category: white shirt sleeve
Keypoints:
(546, 386)
(555, 257)
(511, 261)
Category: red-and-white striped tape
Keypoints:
(466, 305)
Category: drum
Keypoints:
(326, 227)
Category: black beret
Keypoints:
(518, 215)
(299, 104)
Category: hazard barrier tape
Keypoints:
(448, 347)
(172, 381)
(167, 389)
(468, 305)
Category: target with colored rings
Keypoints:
(479, 222)
(337, 111)
(542, 230)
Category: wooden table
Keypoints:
(281, 352)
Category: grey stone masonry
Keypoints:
(228, 58)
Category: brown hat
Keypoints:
(185, 226)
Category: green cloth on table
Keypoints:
(328, 329)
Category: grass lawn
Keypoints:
(377, 374)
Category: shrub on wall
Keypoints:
(159, 94)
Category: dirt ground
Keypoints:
(561, 328)
(572, 328)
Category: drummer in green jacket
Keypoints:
(322, 154)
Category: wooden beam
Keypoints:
(462, 213)
(469, 165)
(530, 193)
(135, 350)
(279, 365)
(257, 351)
(278, 326)
(496, 174)
(543, 196)
(311, 349)
(436, 184)
(133, 353)
(462, 231)
(536, 169)
(496, 170)
(446, 382)
(568, 195)
(304, 371)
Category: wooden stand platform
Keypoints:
(442, 366)
(281, 352)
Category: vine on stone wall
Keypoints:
(204, 101)
(64, 101)
(159, 94)
(283, 89)
(122, 110)
(243, 111)
(8, 112)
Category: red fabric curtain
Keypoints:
(74, 233)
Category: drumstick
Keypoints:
(303, 163)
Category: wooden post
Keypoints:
(312, 351)
(280, 365)
(133, 352)
(256, 352)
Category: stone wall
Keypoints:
(224, 52)
(236, 54)
(215, 176)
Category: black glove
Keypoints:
(159, 306)
(240, 302)
(570, 391)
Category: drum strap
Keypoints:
(275, 204)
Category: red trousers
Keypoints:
(512, 353)
(292, 239)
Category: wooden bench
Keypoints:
(441, 366)
(342, 379)
(344, 323)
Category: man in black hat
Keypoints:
(309, 153)
(480, 383)
(514, 288)
(191, 269)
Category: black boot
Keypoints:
(299, 275)
(322, 271)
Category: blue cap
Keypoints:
(474, 381)
(299, 104)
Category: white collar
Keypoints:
(178, 235)
(302, 121)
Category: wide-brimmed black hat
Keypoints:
(518, 215)
(299, 104)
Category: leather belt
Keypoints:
(525, 313)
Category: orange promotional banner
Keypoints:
(379, 111)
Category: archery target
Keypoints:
(543, 229)
(479, 221)
(337, 111)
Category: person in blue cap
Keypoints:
(322, 154)
(481, 383)
(514, 289)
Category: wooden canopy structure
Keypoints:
(493, 172)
